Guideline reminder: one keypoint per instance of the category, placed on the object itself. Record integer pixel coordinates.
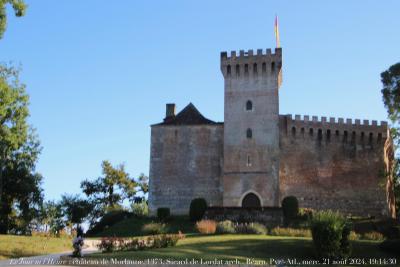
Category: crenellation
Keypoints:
(340, 128)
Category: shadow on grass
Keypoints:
(242, 248)
(228, 250)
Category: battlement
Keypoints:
(323, 127)
(262, 62)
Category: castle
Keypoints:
(256, 157)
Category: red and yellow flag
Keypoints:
(278, 42)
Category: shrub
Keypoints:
(354, 236)
(110, 244)
(198, 207)
(330, 232)
(206, 226)
(154, 228)
(290, 207)
(305, 213)
(278, 231)
(140, 209)
(251, 228)
(163, 214)
(225, 227)
(107, 220)
(391, 245)
(373, 236)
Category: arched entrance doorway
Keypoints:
(251, 200)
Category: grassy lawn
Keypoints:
(243, 247)
(12, 246)
(133, 226)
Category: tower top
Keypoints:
(250, 56)
(263, 63)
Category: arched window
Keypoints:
(228, 69)
(293, 130)
(249, 105)
(251, 200)
(273, 67)
(345, 136)
(237, 70)
(246, 68)
(249, 133)
(264, 67)
(255, 67)
(248, 163)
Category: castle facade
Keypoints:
(256, 157)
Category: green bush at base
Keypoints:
(154, 228)
(251, 228)
(290, 207)
(198, 207)
(163, 214)
(226, 227)
(330, 233)
(109, 219)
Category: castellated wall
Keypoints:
(336, 164)
(185, 163)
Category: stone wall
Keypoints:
(336, 164)
(272, 216)
(185, 163)
(251, 164)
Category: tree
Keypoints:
(391, 98)
(19, 7)
(75, 208)
(20, 186)
(110, 190)
(143, 182)
(52, 217)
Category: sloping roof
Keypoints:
(188, 116)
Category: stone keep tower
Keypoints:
(251, 128)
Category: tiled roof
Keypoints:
(188, 116)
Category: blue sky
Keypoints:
(100, 72)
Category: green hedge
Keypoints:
(290, 207)
(163, 214)
(330, 233)
(198, 207)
